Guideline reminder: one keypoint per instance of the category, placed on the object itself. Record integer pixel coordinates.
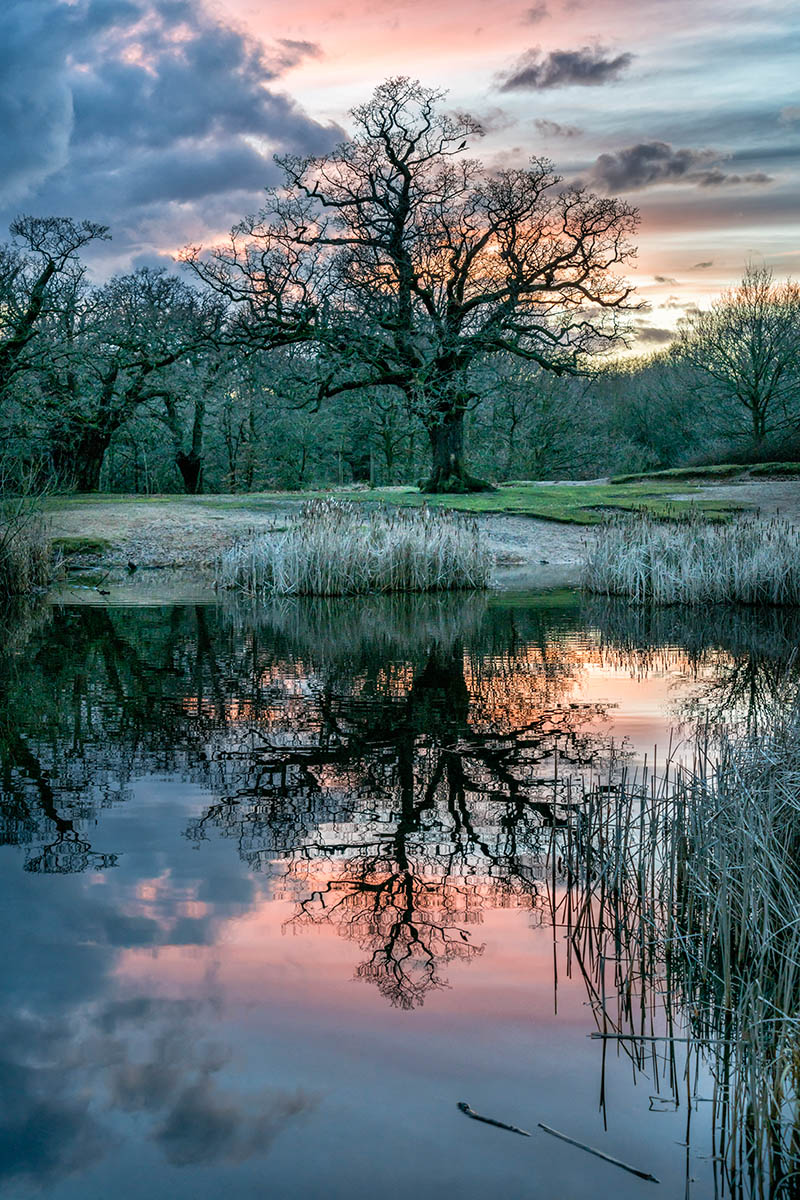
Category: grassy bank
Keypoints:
(717, 474)
(571, 503)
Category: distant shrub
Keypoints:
(693, 562)
(337, 549)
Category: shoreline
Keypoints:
(172, 544)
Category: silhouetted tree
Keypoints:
(31, 270)
(123, 344)
(405, 264)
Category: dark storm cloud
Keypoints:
(35, 101)
(651, 163)
(648, 163)
(718, 178)
(119, 105)
(192, 173)
(590, 66)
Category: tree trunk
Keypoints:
(449, 473)
(759, 423)
(78, 458)
(191, 468)
(90, 464)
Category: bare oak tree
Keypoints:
(122, 346)
(404, 263)
(745, 351)
(43, 250)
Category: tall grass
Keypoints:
(334, 548)
(687, 886)
(25, 554)
(692, 562)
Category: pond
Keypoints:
(281, 887)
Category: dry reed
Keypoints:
(338, 549)
(25, 556)
(687, 886)
(749, 561)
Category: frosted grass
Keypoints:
(334, 548)
(693, 562)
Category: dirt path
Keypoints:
(770, 497)
(183, 537)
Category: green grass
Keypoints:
(714, 473)
(790, 470)
(568, 503)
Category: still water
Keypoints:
(277, 892)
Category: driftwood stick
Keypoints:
(470, 1112)
(615, 1162)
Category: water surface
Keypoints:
(278, 890)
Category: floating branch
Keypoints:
(615, 1162)
(470, 1112)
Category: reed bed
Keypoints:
(334, 548)
(685, 885)
(693, 562)
(25, 557)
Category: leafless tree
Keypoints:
(44, 249)
(745, 351)
(405, 263)
(121, 347)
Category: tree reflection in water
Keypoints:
(743, 660)
(432, 778)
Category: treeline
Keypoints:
(132, 386)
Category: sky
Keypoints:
(160, 118)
